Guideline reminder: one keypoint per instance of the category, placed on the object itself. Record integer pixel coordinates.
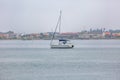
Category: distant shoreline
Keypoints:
(50, 39)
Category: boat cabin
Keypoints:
(63, 41)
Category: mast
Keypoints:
(58, 25)
(60, 22)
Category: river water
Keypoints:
(34, 60)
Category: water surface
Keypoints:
(34, 60)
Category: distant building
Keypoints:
(4, 36)
(70, 35)
(107, 35)
(8, 35)
(92, 34)
(84, 35)
(116, 35)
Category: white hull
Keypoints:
(62, 46)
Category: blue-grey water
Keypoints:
(34, 60)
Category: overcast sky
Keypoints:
(41, 15)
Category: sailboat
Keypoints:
(62, 43)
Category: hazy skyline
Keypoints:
(41, 15)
